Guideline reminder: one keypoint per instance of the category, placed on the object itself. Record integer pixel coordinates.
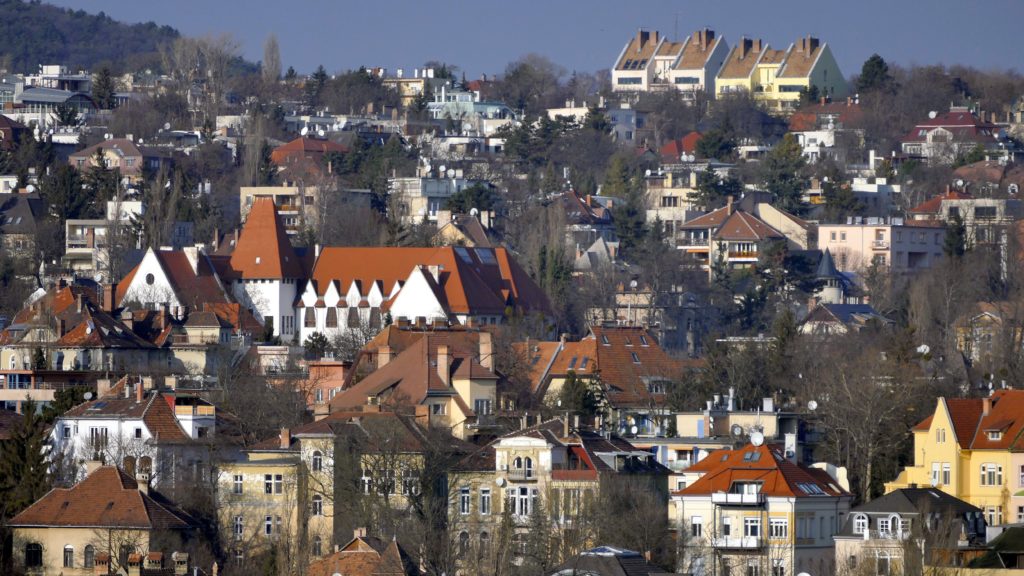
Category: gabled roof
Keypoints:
(305, 148)
(964, 413)
(802, 57)
(1005, 416)
(372, 431)
(741, 226)
(263, 250)
(107, 498)
(963, 124)
(933, 205)
(19, 213)
(156, 410)
(627, 365)
(639, 52)
(121, 146)
(609, 561)
(674, 149)
(698, 48)
(846, 314)
(766, 465)
(366, 556)
(843, 114)
(742, 59)
(192, 287)
(917, 500)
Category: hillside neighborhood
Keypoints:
(720, 308)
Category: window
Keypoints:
(309, 318)
(464, 500)
(995, 435)
(482, 407)
(33, 555)
(239, 527)
(485, 544)
(237, 483)
(983, 212)
(994, 515)
(1020, 514)
(1020, 478)
(833, 236)
(753, 568)
(437, 409)
(883, 526)
(318, 505)
(882, 564)
(89, 559)
(842, 236)
(935, 473)
(778, 567)
(317, 547)
(991, 475)
(463, 544)
(366, 480)
(69, 556)
(752, 527)
(643, 341)
(726, 526)
(268, 525)
(66, 432)
(332, 318)
(860, 524)
(636, 359)
(273, 483)
(410, 482)
(778, 528)
(945, 473)
(318, 460)
(98, 438)
(696, 526)
(485, 501)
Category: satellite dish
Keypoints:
(321, 133)
(450, 173)
(500, 482)
(924, 349)
(440, 169)
(167, 125)
(737, 430)
(756, 438)
(812, 405)
(467, 126)
(647, 173)
(87, 396)
(633, 284)
(304, 131)
(933, 114)
(31, 188)
(633, 430)
(474, 212)
(959, 183)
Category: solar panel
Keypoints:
(463, 254)
(486, 255)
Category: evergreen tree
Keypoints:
(629, 217)
(316, 345)
(24, 472)
(955, 243)
(290, 75)
(578, 397)
(712, 190)
(315, 86)
(266, 172)
(874, 75)
(716, 144)
(781, 172)
(103, 89)
(617, 179)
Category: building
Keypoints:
(827, 129)
(878, 534)
(903, 246)
(727, 238)
(969, 448)
(608, 561)
(130, 159)
(60, 77)
(103, 522)
(421, 197)
(990, 332)
(759, 510)
(20, 216)
(561, 469)
(634, 68)
(412, 88)
(462, 112)
(990, 178)
(11, 132)
(826, 318)
(943, 138)
(699, 59)
(986, 220)
(365, 555)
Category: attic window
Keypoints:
(604, 340)
(643, 340)
(636, 359)
(628, 341)
(572, 363)
(257, 259)
(995, 435)
(583, 364)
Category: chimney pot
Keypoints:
(286, 438)
(986, 406)
(442, 364)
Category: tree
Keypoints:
(24, 472)
(618, 180)
(103, 89)
(954, 245)
(316, 345)
(315, 87)
(478, 195)
(716, 144)
(290, 75)
(65, 114)
(874, 75)
(712, 189)
(781, 173)
(579, 396)
(530, 84)
(271, 59)
(809, 95)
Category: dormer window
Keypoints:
(995, 435)
(860, 524)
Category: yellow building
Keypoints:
(104, 519)
(970, 448)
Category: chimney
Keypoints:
(102, 564)
(102, 387)
(986, 406)
(792, 448)
(140, 392)
(565, 425)
(109, 290)
(728, 205)
(442, 365)
(642, 36)
(486, 350)
(154, 560)
(78, 302)
(192, 255)
(383, 356)
(142, 479)
(286, 438)
(134, 564)
(127, 391)
(180, 563)
(359, 532)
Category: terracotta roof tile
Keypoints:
(699, 47)
(965, 414)
(1005, 416)
(742, 59)
(263, 250)
(765, 464)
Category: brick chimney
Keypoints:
(986, 406)
(78, 303)
(102, 564)
(140, 392)
(728, 205)
(286, 438)
(154, 560)
(135, 565)
(486, 350)
(442, 365)
(180, 560)
(109, 290)
(383, 356)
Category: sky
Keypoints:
(585, 35)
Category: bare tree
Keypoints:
(271, 60)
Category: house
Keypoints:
(943, 138)
(758, 509)
(634, 68)
(1005, 552)
(470, 230)
(365, 555)
(554, 466)
(808, 63)
(304, 150)
(989, 332)
(20, 216)
(130, 159)
(140, 427)
(608, 561)
(11, 133)
(991, 178)
(739, 72)
(826, 319)
(699, 59)
(39, 104)
(456, 386)
(986, 220)
(421, 197)
(903, 246)
(415, 87)
(292, 489)
(876, 534)
(726, 237)
(105, 521)
(675, 317)
(970, 449)
(826, 129)
(587, 218)
(457, 111)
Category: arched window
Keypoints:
(128, 465)
(90, 556)
(318, 461)
(317, 547)
(485, 544)
(518, 463)
(318, 505)
(33, 555)
(463, 544)
(69, 556)
(860, 524)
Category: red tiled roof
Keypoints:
(964, 126)
(263, 250)
(965, 414)
(674, 149)
(743, 226)
(845, 114)
(305, 148)
(365, 556)
(625, 378)
(1006, 416)
(106, 498)
(154, 410)
(934, 204)
(765, 464)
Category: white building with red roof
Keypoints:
(758, 510)
(942, 138)
(730, 236)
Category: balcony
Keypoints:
(521, 475)
(880, 244)
(885, 535)
(694, 241)
(742, 255)
(737, 542)
(730, 499)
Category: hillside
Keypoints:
(33, 33)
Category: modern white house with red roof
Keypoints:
(942, 138)
(759, 510)
(730, 237)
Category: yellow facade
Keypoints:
(55, 541)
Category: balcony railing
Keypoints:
(737, 542)
(885, 535)
(521, 474)
(694, 241)
(737, 254)
(737, 499)
(880, 244)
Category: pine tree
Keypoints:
(874, 75)
(103, 89)
(24, 472)
(781, 172)
(955, 243)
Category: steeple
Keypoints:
(827, 267)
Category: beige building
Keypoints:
(900, 245)
(105, 519)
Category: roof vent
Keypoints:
(257, 259)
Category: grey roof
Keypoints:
(827, 267)
(914, 502)
(19, 212)
(46, 95)
(608, 561)
(845, 312)
(1005, 550)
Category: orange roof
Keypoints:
(263, 250)
(156, 410)
(305, 148)
(106, 498)
(639, 51)
(743, 226)
(1006, 416)
(766, 465)
(699, 47)
(934, 204)
(742, 59)
(629, 359)
(964, 413)
(363, 556)
(801, 59)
